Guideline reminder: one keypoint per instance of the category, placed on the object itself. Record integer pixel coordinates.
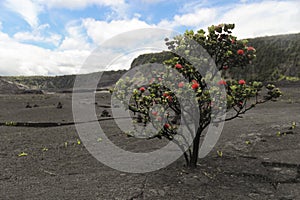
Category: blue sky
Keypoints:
(54, 37)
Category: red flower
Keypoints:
(194, 81)
(242, 82)
(169, 98)
(167, 126)
(225, 67)
(160, 79)
(155, 113)
(240, 52)
(178, 66)
(165, 94)
(181, 84)
(142, 89)
(222, 82)
(250, 49)
(232, 41)
(195, 86)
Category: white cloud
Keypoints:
(75, 38)
(38, 35)
(27, 9)
(99, 31)
(30, 9)
(24, 59)
(264, 18)
(120, 41)
(79, 4)
(251, 19)
(196, 18)
(192, 6)
(118, 7)
(74, 49)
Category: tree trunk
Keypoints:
(195, 153)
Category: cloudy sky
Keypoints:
(54, 37)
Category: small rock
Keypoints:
(59, 105)
(289, 172)
(275, 126)
(105, 113)
(253, 195)
(265, 191)
(288, 197)
(276, 169)
(153, 191)
(161, 192)
(28, 105)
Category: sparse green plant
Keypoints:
(22, 154)
(220, 153)
(45, 149)
(78, 142)
(11, 123)
(278, 133)
(293, 125)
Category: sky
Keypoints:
(55, 37)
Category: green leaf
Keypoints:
(45, 149)
(220, 153)
(22, 154)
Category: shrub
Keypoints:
(201, 89)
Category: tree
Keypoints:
(192, 77)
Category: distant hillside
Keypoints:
(277, 59)
(60, 83)
(7, 87)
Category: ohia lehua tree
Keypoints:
(190, 90)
